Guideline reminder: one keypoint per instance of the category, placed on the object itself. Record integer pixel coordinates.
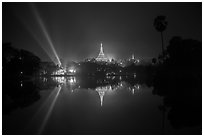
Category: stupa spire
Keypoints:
(101, 56)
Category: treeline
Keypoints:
(18, 62)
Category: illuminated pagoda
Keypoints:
(101, 56)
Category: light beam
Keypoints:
(49, 111)
(42, 26)
(32, 30)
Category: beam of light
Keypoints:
(42, 26)
(35, 33)
(49, 111)
(38, 41)
(41, 109)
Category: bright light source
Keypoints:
(60, 80)
(60, 72)
(72, 80)
(72, 70)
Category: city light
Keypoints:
(137, 86)
(60, 80)
(72, 80)
(72, 70)
(60, 72)
(134, 75)
(134, 88)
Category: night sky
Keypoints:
(77, 29)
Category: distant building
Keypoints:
(133, 57)
(134, 60)
(101, 56)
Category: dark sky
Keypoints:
(77, 29)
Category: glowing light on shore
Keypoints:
(59, 72)
(72, 70)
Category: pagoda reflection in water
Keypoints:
(73, 84)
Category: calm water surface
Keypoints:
(74, 105)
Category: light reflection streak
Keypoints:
(134, 88)
(65, 80)
(49, 111)
(72, 80)
(59, 80)
(42, 109)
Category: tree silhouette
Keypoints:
(179, 81)
(154, 60)
(160, 25)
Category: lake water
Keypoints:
(77, 105)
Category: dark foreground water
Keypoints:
(74, 105)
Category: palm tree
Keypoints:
(160, 24)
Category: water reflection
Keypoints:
(101, 86)
(65, 80)
(134, 88)
(101, 92)
(84, 102)
(58, 89)
(15, 94)
(18, 94)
